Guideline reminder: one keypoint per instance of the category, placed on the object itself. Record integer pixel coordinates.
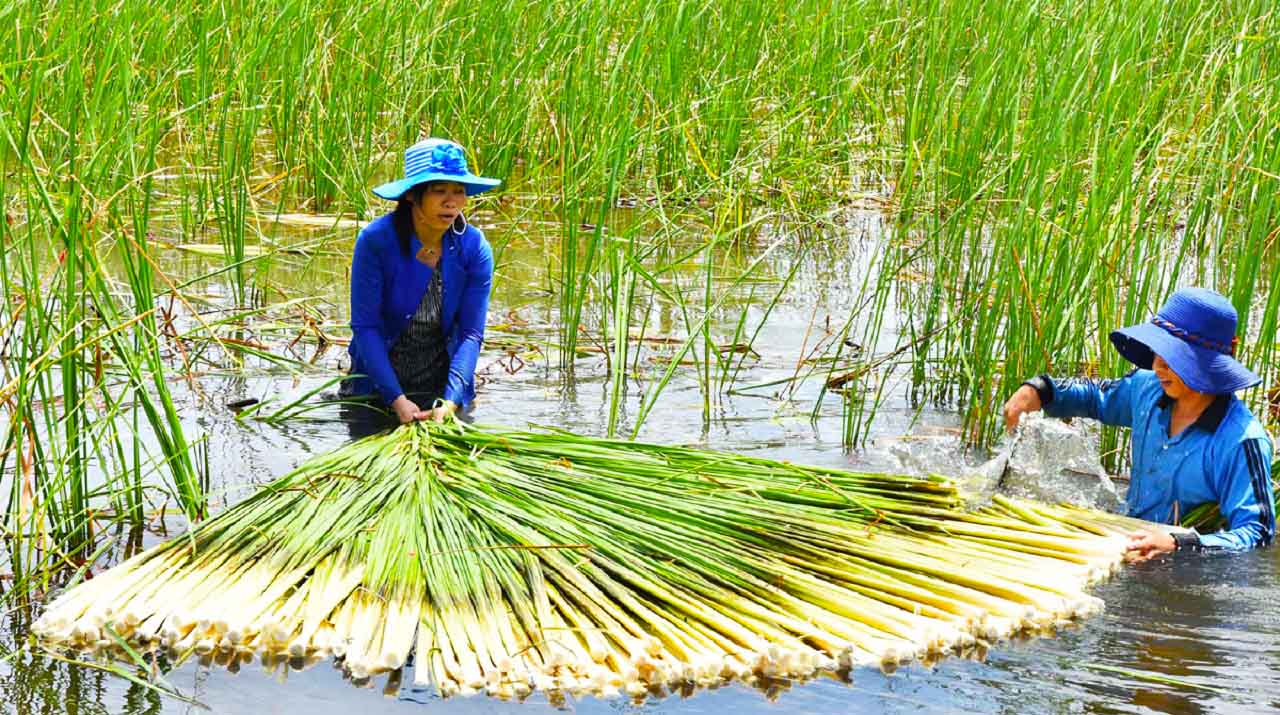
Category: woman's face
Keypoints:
(441, 202)
(1173, 385)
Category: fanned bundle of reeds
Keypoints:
(517, 560)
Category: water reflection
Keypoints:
(1211, 622)
(33, 683)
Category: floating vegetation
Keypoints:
(516, 561)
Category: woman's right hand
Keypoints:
(407, 410)
(1025, 400)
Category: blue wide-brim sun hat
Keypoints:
(1195, 332)
(435, 160)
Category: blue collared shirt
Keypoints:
(1224, 457)
(386, 287)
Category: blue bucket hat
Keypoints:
(435, 160)
(1195, 332)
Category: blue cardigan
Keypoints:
(386, 288)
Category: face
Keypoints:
(439, 205)
(1173, 385)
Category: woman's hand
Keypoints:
(1146, 545)
(442, 411)
(407, 410)
(1025, 400)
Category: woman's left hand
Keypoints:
(1146, 545)
(442, 411)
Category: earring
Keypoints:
(459, 230)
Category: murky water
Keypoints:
(1212, 623)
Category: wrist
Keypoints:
(1188, 541)
(1043, 385)
(402, 406)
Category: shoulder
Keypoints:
(1140, 384)
(1240, 439)
(1241, 429)
(1145, 387)
(1144, 380)
(473, 245)
(378, 233)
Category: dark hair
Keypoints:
(402, 217)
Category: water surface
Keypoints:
(1212, 622)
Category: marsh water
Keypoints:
(1196, 635)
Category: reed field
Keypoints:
(1038, 173)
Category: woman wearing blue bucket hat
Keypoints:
(1193, 441)
(420, 284)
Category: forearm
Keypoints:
(462, 368)
(1244, 497)
(1061, 397)
(1108, 401)
(376, 363)
(366, 317)
(1242, 538)
(471, 323)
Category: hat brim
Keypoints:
(475, 184)
(1203, 370)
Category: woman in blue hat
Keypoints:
(420, 289)
(1193, 441)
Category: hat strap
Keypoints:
(1186, 336)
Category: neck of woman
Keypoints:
(427, 236)
(1191, 405)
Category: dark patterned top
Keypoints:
(419, 356)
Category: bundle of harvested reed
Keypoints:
(518, 560)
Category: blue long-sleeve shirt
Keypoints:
(386, 287)
(1223, 457)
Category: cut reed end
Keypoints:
(276, 633)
